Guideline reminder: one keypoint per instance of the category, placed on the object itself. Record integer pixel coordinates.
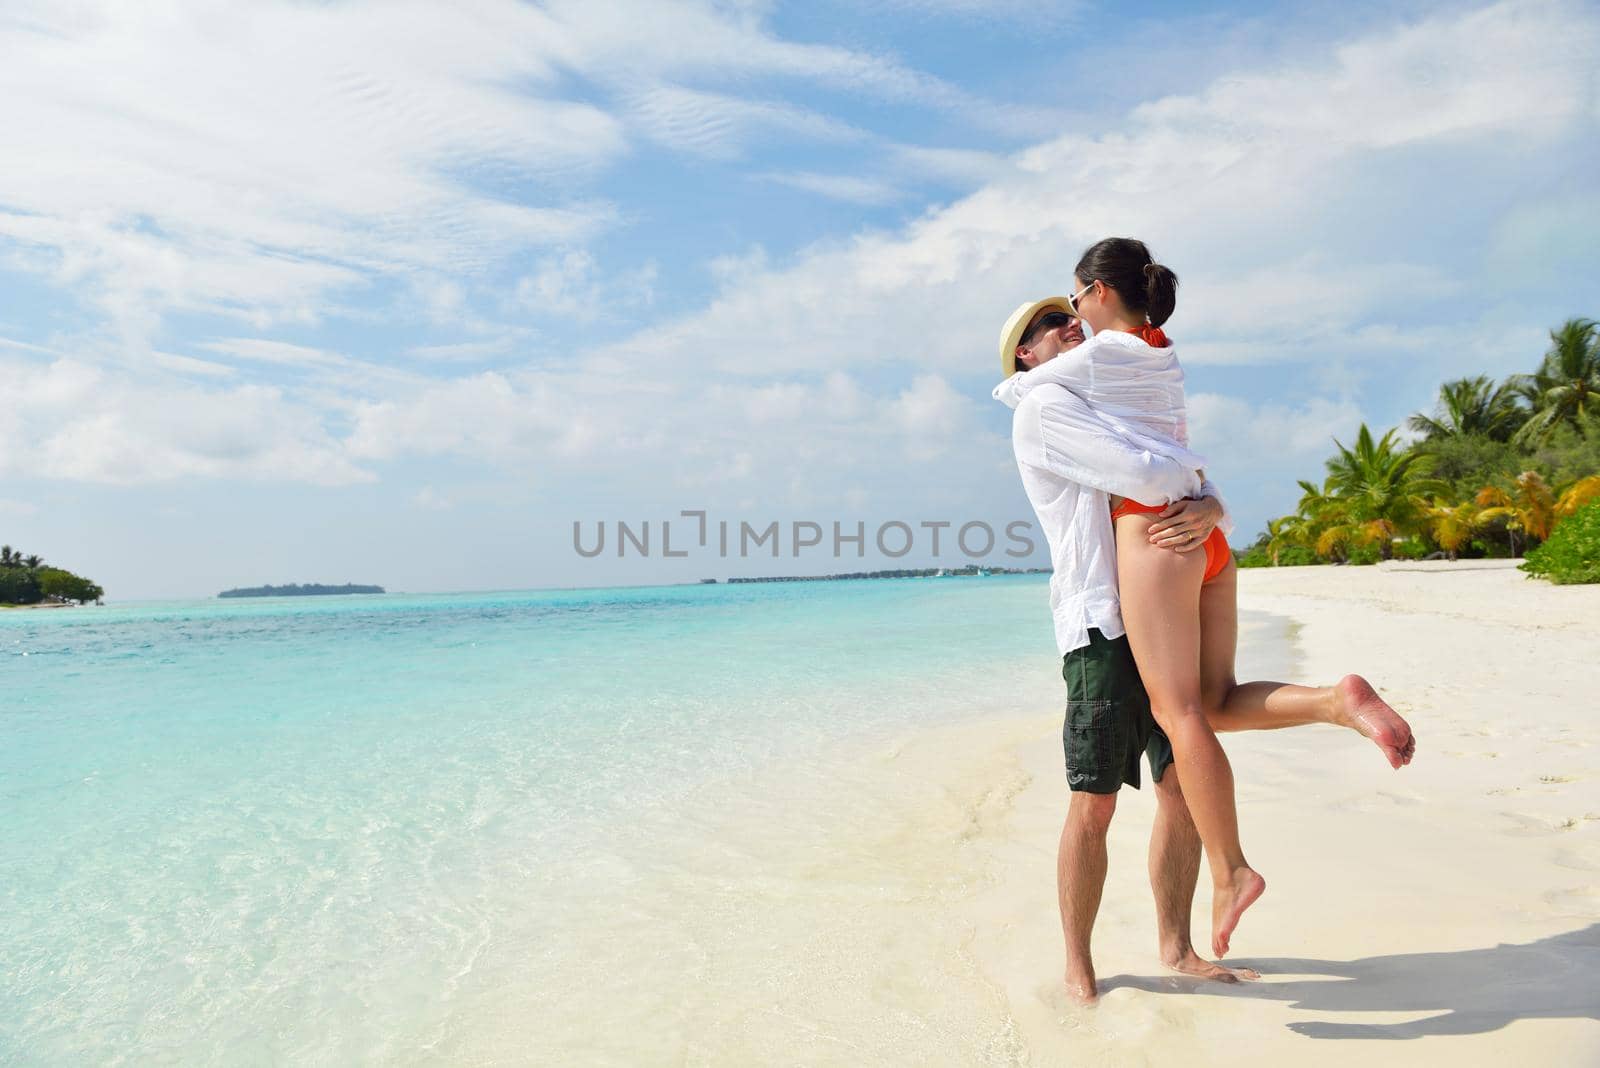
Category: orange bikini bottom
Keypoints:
(1217, 553)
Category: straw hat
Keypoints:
(1011, 333)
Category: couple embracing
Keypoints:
(1144, 600)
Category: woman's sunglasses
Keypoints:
(1072, 301)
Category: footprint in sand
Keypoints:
(1528, 825)
(1582, 898)
(1557, 778)
(1375, 801)
(1582, 859)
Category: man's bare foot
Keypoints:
(1191, 963)
(1081, 988)
(1361, 709)
(1228, 903)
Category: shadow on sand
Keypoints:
(1471, 991)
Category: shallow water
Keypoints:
(635, 824)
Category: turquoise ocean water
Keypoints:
(288, 830)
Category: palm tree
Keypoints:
(1472, 406)
(1566, 387)
(7, 557)
(1529, 508)
(1284, 532)
(1385, 489)
(1577, 495)
(32, 561)
(1452, 525)
(1321, 521)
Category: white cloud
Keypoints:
(1240, 433)
(851, 367)
(717, 125)
(1031, 10)
(630, 40)
(932, 416)
(316, 366)
(1506, 68)
(273, 164)
(854, 188)
(1251, 189)
(463, 351)
(959, 166)
(506, 419)
(562, 285)
(79, 423)
(571, 286)
(302, 150)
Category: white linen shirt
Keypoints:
(1134, 388)
(1073, 457)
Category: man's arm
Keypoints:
(1209, 488)
(1055, 429)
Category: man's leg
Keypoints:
(1174, 871)
(1080, 878)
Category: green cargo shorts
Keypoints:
(1108, 719)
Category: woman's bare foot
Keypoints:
(1361, 709)
(1228, 902)
(1191, 963)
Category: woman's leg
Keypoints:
(1259, 706)
(1161, 611)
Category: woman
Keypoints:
(1180, 608)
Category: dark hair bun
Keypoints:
(1125, 264)
(1161, 293)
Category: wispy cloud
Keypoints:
(1247, 192)
(308, 153)
(1301, 204)
(304, 149)
(719, 125)
(855, 188)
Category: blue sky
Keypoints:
(397, 292)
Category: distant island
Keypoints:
(27, 581)
(899, 572)
(310, 589)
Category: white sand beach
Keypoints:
(1446, 913)
(897, 905)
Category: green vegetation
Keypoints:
(28, 580)
(1498, 469)
(294, 589)
(1573, 552)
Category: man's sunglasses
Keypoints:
(1049, 321)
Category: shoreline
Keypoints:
(885, 892)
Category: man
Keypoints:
(1070, 465)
